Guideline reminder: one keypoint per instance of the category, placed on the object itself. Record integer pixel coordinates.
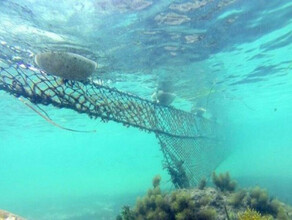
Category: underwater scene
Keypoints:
(145, 109)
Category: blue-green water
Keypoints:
(234, 55)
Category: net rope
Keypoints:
(188, 142)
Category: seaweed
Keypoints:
(202, 183)
(205, 200)
(224, 182)
(207, 214)
(156, 181)
(237, 198)
(260, 201)
(251, 214)
(126, 214)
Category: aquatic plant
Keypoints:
(282, 214)
(154, 205)
(236, 198)
(251, 214)
(260, 201)
(126, 214)
(204, 200)
(204, 214)
(232, 215)
(181, 200)
(186, 214)
(156, 181)
(178, 174)
(207, 214)
(202, 183)
(224, 182)
(184, 207)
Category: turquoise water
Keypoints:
(231, 57)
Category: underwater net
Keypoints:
(188, 142)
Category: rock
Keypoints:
(5, 215)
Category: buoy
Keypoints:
(163, 98)
(66, 65)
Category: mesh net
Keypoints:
(188, 142)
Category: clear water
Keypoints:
(234, 55)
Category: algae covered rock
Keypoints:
(207, 204)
